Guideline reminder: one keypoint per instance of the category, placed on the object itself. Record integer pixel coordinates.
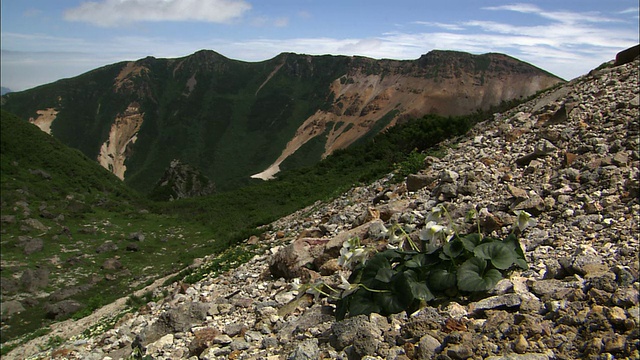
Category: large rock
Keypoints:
(33, 246)
(626, 56)
(62, 309)
(293, 260)
(9, 308)
(32, 280)
(106, 247)
(362, 335)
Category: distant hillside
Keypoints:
(38, 166)
(232, 119)
(4, 90)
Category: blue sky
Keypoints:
(43, 40)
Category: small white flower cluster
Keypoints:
(352, 253)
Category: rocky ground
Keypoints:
(570, 158)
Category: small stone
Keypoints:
(569, 158)
(427, 347)
(222, 339)
(237, 345)
(620, 159)
(520, 345)
(594, 346)
(449, 176)
(625, 297)
(306, 350)
(583, 256)
(615, 343)
(494, 302)
(416, 182)
(517, 193)
(160, 344)
(456, 311)
(459, 351)
(616, 315)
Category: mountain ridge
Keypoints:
(232, 119)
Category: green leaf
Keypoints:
(471, 241)
(513, 242)
(441, 279)
(453, 248)
(390, 303)
(384, 275)
(418, 289)
(370, 271)
(522, 264)
(501, 255)
(361, 302)
(416, 261)
(393, 254)
(474, 276)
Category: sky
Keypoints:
(42, 41)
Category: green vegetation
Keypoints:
(444, 264)
(89, 217)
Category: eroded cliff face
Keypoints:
(45, 119)
(123, 133)
(363, 100)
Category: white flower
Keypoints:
(431, 231)
(524, 220)
(347, 287)
(434, 235)
(295, 284)
(352, 253)
(394, 238)
(436, 214)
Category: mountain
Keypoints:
(4, 90)
(568, 157)
(232, 120)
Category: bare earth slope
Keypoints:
(570, 157)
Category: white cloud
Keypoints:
(559, 16)
(117, 12)
(450, 27)
(633, 10)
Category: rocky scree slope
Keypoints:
(570, 157)
(232, 119)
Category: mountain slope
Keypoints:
(72, 233)
(45, 169)
(569, 157)
(234, 119)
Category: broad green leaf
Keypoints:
(522, 264)
(513, 242)
(501, 255)
(384, 274)
(390, 303)
(441, 279)
(392, 254)
(370, 271)
(453, 248)
(471, 241)
(361, 302)
(417, 261)
(419, 290)
(474, 276)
